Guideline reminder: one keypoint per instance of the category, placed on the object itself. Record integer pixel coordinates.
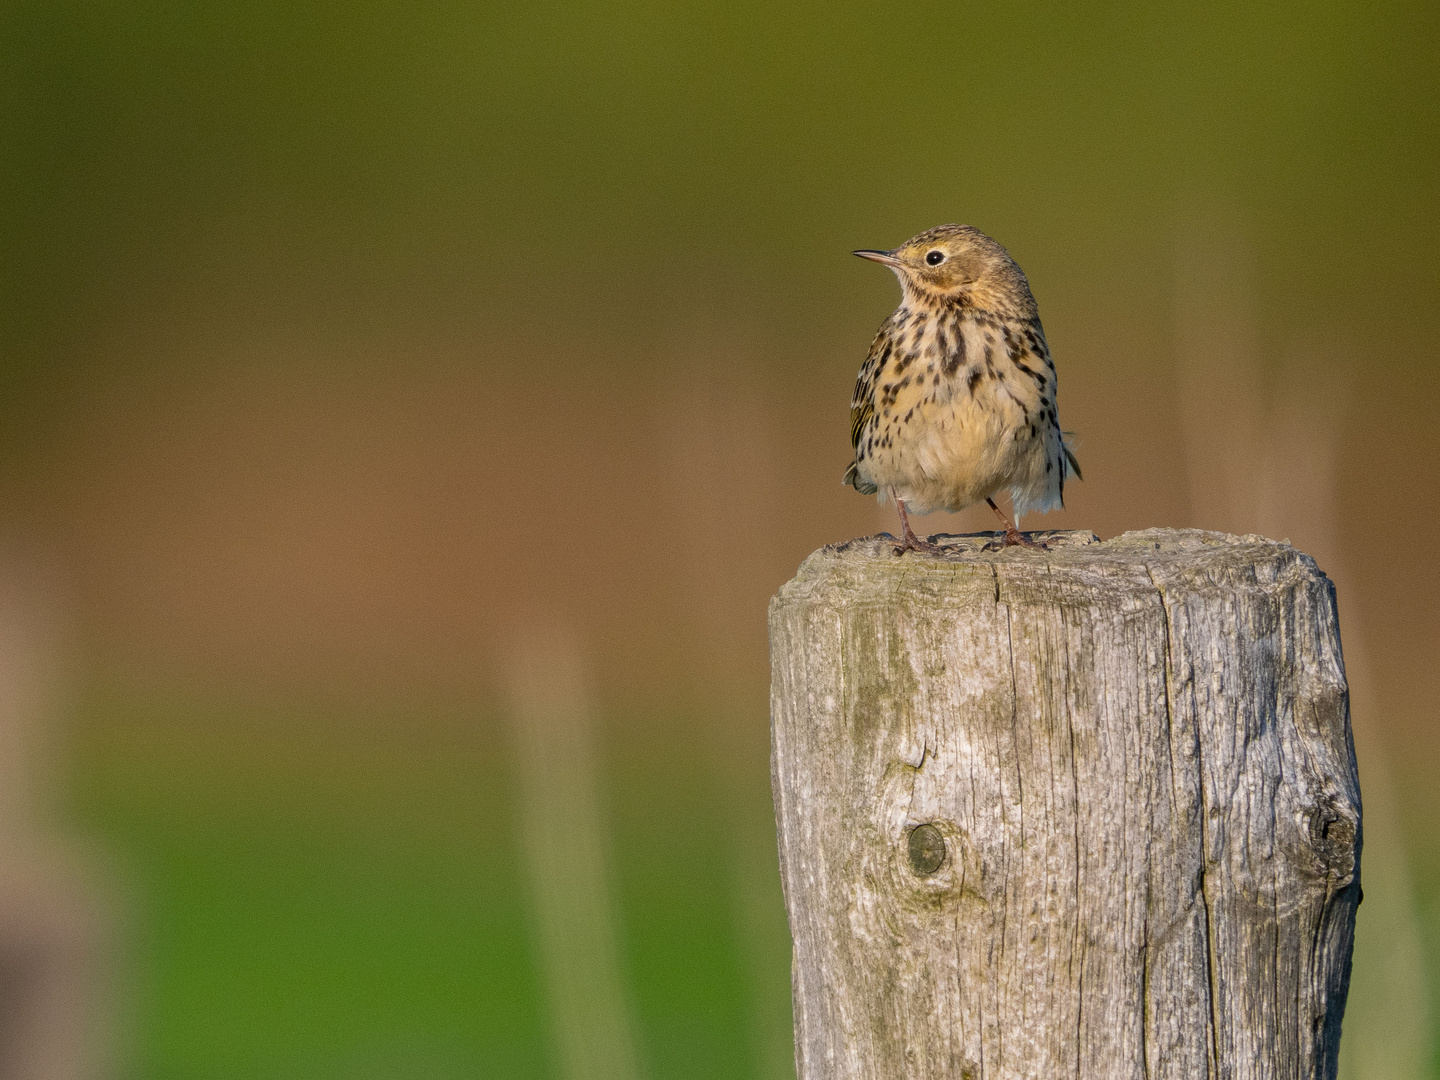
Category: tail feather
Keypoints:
(1070, 458)
(852, 477)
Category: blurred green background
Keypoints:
(343, 346)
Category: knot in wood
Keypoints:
(1332, 836)
(927, 849)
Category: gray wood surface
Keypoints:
(1090, 812)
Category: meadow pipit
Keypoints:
(956, 401)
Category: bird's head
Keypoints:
(957, 263)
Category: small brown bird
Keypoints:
(956, 401)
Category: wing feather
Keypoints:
(862, 404)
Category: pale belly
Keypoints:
(946, 448)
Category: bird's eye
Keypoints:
(935, 258)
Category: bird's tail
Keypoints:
(852, 477)
(1071, 461)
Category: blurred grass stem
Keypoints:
(564, 850)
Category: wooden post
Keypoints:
(1087, 813)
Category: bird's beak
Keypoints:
(879, 256)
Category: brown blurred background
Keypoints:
(408, 411)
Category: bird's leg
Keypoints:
(908, 540)
(1013, 537)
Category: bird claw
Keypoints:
(1013, 537)
(914, 543)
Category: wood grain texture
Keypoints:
(1137, 754)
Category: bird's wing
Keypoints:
(862, 402)
(1035, 336)
(862, 406)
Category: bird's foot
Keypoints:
(908, 540)
(911, 542)
(1013, 537)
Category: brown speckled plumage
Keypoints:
(956, 400)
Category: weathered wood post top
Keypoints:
(1091, 812)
